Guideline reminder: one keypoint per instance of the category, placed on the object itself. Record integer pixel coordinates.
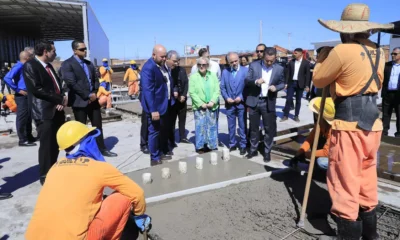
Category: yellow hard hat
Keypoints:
(105, 60)
(70, 133)
(132, 62)
(1, 96)
(329, 109)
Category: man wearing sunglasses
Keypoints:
(83, 84)
(391, 92)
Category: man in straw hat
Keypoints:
(354, 70)
(322, 152)
(70, 204)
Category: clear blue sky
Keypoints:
(220, 24)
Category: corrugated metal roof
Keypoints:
(45, 19)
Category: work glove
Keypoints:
(143, 222)
(295, 160)
(108, 68)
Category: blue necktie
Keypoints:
(87, 74)
(233, 73)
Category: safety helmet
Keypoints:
(132, 62)
(1, 96)
(105, 60)
(72, 132)
(329, 109)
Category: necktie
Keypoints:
(87, 74)
(233, 72)
(54, 81)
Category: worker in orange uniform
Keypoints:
(106, 71)
(70, 204)
(104, 94)
(133, 77)
(8, 102)
(322, 152)
(354, 70)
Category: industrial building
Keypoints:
(25, 22)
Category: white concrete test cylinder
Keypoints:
(225, 154)
(214, 158)
(165, 173)
(146, 177)
(199, 163)
(183, 167)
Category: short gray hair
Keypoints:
(203, 58)
(396, 48)
(172, 53)
(30, 50)
(231, 53)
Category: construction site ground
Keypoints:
(256, 206)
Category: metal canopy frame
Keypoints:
(45, 19)
(395, 31)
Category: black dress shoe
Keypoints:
(185, 140)
(155, 162)
(107, 153)
(27, 144)
(251, 155)
(232, 149)
(200, 151)
(267, 157)
(296, 119)
(165, 158)
(284, 119)
(220, 144)
(32, 139)
(170, 153)
(145, 150)
(4, 196)
(242, 151)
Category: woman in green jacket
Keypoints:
(204, 92)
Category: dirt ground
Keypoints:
(262, 209)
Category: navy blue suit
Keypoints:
(154, 98)
(232, 87)
(263, 106)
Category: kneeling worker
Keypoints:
(8, 102)
(70, 204)
(322, 153)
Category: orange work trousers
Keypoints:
(133, 88)
(110, 221)
(352, 175)
(105, 101)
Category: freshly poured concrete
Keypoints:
(210, 174)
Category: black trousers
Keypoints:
(390, 101)
(24, 119)
(48, 149)
(293, 88)
(269, 122)
(167, 131)
(144, 131)
(94, 113)
(179, 113)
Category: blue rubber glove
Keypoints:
(143, 222)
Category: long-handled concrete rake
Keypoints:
(300, 224)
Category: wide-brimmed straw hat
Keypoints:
(355, 19)
(329, 109)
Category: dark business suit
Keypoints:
(167, 126)
(391, 99)
(263, 106)
(182, 84)
(296, 86)
(45, 96)
(80, 87)
(154, 99)
(232, 86)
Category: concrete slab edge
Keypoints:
(214, 186)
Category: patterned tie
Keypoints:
(52, 78)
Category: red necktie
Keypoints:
(52, 78)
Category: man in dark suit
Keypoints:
(264, 79)
(232, 85)
(182, 82)
(80, 76)
(155, 97)
(48, 102)
(391, 92)
(297, 79)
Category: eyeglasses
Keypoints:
(394, 54)
(81, 49)
(259, 51)
(202, 65)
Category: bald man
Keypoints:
(154, 99)
(15, 80)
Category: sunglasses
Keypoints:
(82, 49)
(202, 65)
(394, 54)
(259, 51)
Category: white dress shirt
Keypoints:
(296, 69)
(164, 71)
(394, 77)
(266, 75)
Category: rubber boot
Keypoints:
(369, 222)
(347, 230)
